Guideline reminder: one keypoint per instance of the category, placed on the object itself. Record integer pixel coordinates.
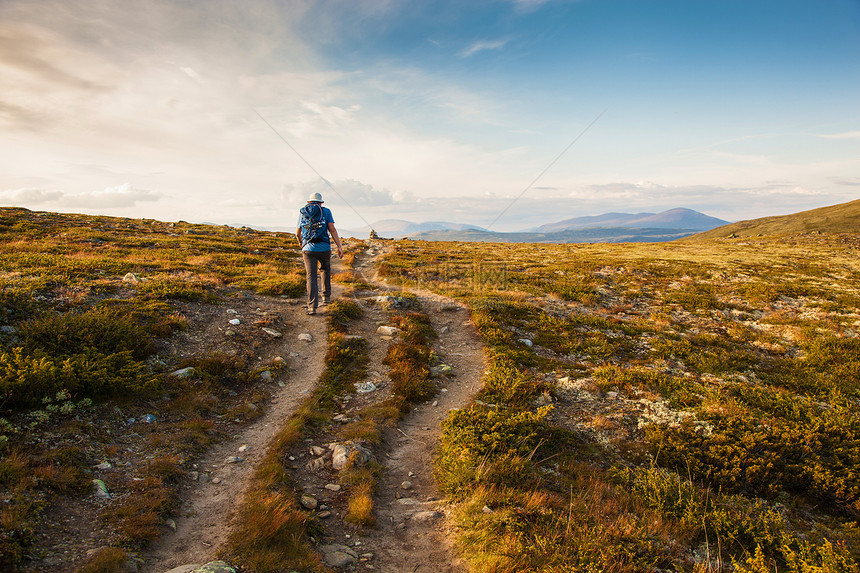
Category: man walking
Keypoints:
(313, 230)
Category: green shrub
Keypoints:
(505, 384)
(69, 334)
(172, 288)
(107, 560)
(483, 443)
(812, 457)
(410, 372)
(27, 379)
(342, 311)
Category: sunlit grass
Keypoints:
(722, 376)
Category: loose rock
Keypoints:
(316, 464)
(101, 489)
(216, 567)
(365, 387)
(424, 516)
(306, 337)
(336, 555)
(349, 454)
(441, 370)
(184, 372)
(272, 332)
(309, 502)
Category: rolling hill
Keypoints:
(672, 219)
(841, 218)
(585, 235)
(397, 228)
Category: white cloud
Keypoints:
(843, 135)
(350, 192)
(191, 73)
(111, 197)
(483, 45)
(28, 197)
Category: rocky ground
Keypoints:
(410, 532)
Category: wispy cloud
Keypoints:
(844, 135)
(483, 46)
(28, 196)
(120, 196)
(529, 5)
(353, 192)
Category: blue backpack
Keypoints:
(314, 227)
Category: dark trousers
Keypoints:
(311, 259)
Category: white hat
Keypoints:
(315, 198)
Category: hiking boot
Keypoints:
(326, 300)
(311, 312)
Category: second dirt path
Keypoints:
(411, 532)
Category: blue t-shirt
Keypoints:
(324, 245)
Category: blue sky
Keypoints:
(429, 110)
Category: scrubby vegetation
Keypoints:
(88, 306)
(684, 406)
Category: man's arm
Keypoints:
(333, 232)
(299, 235)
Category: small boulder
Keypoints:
(184, 372)
(309, 502)
(425, 516)
(272, 332)
(350, 454)
(337, 555)
(387, 330)
(441, 370)
(365, 387)
(216, 567)
(316, 464)
(306, 337)
(101, 489)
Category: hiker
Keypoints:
(313, 229)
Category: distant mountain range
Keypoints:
(607, 228)
(672, 219)
(586, 235)
(397, 228)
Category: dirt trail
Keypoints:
(410, 534)
(202, 522)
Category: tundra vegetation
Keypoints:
(88, 307)
(686, 406)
